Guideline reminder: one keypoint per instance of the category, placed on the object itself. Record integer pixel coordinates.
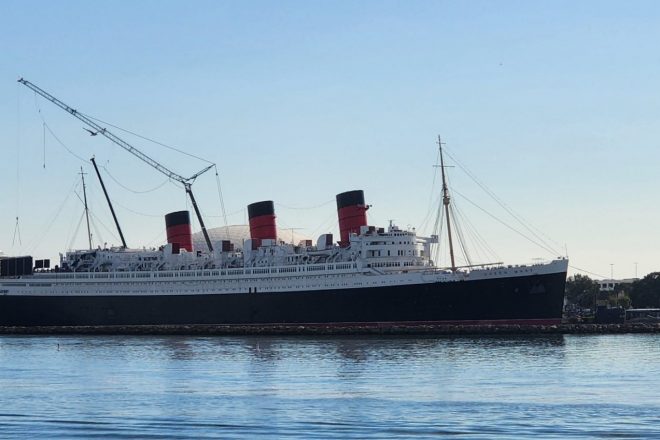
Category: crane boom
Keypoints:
(98, 129)
(103, 131)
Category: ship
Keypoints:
(369, 275)
(372, 275)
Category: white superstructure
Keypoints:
(374, 258)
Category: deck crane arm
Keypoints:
(98, 129)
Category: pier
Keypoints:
(375, 329)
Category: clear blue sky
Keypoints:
(554, 105)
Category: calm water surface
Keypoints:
(330, 387)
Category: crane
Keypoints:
(107, 197)
(98, 129)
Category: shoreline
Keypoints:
(303, 330)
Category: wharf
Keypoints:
(376, 329)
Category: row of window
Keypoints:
(123, 275)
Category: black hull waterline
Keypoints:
(530, 299)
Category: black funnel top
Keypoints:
(350, 198)
(261, 208)
(177, 218)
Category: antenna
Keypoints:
(293, 229)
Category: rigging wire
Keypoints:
(480, 242)
(73, 217)
(458, 227)
(463, 230)
(586, 271)
(159, 238)
(230, 214)
(549, 250)
(325, 225)
(75, 233)
(304, 208)
(132, 190)
(85, 211)
(430, 209)
(105, 227)
(526, 224)
(143, 214)
(222, 201)
(477, 238)
(17, 233)
(438, 228)
(461, 238)
(99, 237)
(33, 246)
(63, 144)
(44, 138)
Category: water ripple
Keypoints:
(531, 387)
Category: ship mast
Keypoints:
(445, 202)
(89, 232)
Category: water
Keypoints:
(330, 387)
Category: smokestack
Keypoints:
(352, 213)
(262, 221)
(179, 230)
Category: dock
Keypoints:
(375, 329)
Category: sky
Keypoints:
(552, 105)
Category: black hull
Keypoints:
(530, 299)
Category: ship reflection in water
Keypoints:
(341, 387)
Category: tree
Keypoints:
(646, 292)
(624, 302)
(581, 290)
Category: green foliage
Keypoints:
(581, 290)
(624, 302)
(646, 292)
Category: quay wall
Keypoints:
(375, 329)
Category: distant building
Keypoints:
(610, 285)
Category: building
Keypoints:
(609, 285)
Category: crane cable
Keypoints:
(178, 150)
(222, 201)
(17, 230)
(50, 130)
(70, 151)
